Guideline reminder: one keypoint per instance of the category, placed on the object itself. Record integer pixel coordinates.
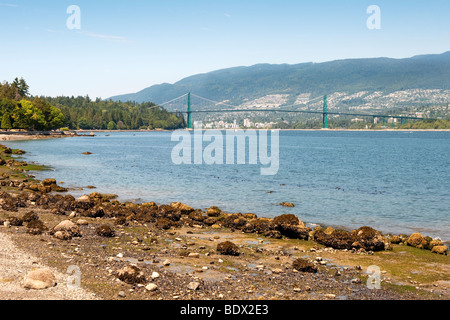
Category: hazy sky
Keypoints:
(126, 46)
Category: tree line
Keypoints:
(19, 110)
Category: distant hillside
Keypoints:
(242, 84)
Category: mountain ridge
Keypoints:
(243, 83)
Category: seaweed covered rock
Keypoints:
(368, 239)
(291, 226)
(287, 204)
(183, 208)
(105, 230)
(417, 240)
(36, 227)
(339, 239)
(234, 221)
(440, 250)
(228, 248)
(213, 212)
(30, 216)
(163, 223)
(303, 265)
(15, 222)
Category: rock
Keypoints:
(166, 263)
(151, 287)
(15, 222)
(440, 250)
(84, 198)
(105, 230)
(329, 230)
(62, 235)
(289, 219)
(48, 182)
(131, 275)
(287, 204)
(36, 227)
(69, 227)
(277, 271)
(184, 209)
(330, 296)
(39, 279)
(433, 243)
(304, 266)
(396, 239)
(87, 153)
(82, 222)
(369, 239)
(228, 248)
(155, 275)
(30, 216)
(193, 286)
(213, 212)
(194, 255)
(417, 240)
(121, 294)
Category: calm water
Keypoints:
(393, 181)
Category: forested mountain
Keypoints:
(241, 84)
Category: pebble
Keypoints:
(166, 263)
(194, 255)
(193, 286)
(330, 296)
(155, 275)
(121, 294)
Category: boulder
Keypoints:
(39, 279)
(131, 275)
(368, 239)
(213, 212)
(417, 240)
(290, 226)
(228, 248)
(440, 250)
(66, 230)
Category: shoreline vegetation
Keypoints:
(172, 251)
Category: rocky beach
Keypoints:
(56, 246)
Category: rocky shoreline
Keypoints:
(173, 251)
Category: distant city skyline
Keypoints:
(125, 46)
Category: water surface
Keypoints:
(393, 181)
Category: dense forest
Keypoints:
(84, 113)
(19, 110)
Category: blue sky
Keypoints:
(126, 46)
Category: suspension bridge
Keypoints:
(228, 108)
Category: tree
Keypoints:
(6, 121)
(111, 125)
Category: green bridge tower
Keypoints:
(189, 113)
(325, 112)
